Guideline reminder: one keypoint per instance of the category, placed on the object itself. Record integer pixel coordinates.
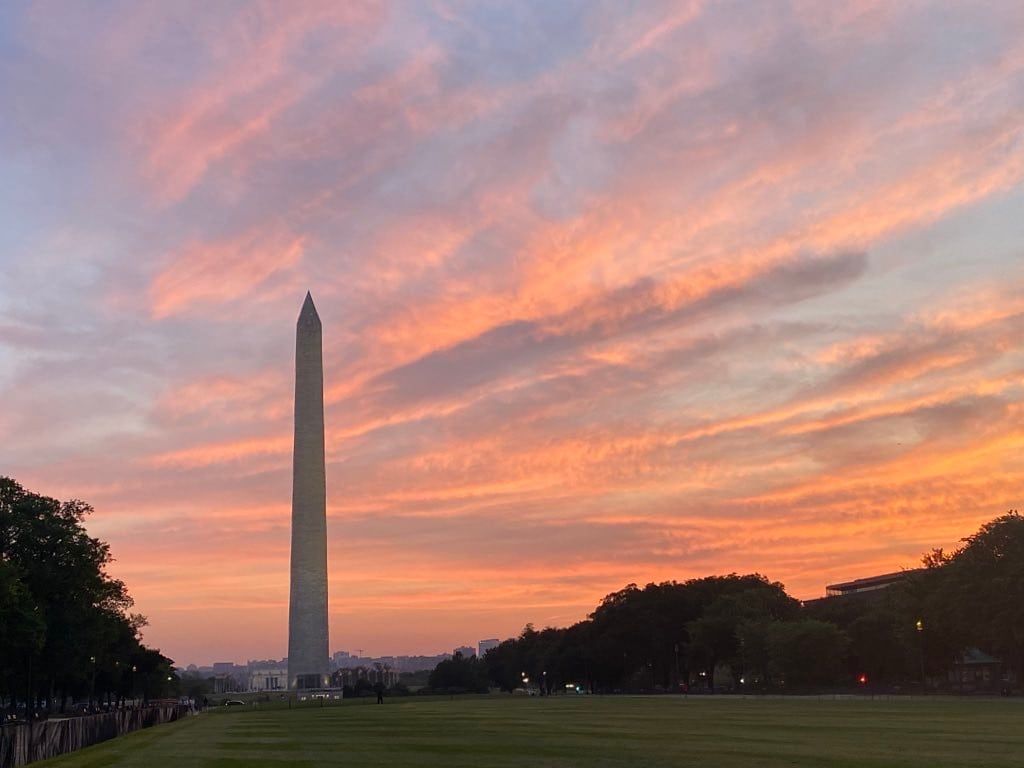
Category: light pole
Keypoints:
(919, 626)
(92, 680)
(675, 649)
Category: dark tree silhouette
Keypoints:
(65, 626)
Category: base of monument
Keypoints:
(311, 682)
(324, 694)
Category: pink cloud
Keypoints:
(608, 296)
(205, 273)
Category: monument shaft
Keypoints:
(307, 610)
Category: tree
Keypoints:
(878, 649)
(459, 675)
(729, 624)
(67, 630)
(974, 596)
(503, 665)
(805, 653)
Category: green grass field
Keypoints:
(583, 731)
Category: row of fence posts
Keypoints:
(23, 743)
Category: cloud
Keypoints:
(609, 294)
(224, 270)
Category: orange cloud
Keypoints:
(216, 272)
(607, 297)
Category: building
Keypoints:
(378, 673)
(227, 676)
(223, 683)
(340, 659)
(268, 678)
(868, 584)
(975, 671)
(485, 645)
(466, 651)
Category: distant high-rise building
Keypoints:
(466, 651)
(485, 645)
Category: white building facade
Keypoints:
(268, 679)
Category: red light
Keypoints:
(862, 679)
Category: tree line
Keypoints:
(677, 636)
(67, 632)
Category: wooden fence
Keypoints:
(23, 743)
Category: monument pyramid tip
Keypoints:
(308, 308)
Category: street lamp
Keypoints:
(92, 680)
(919, 626)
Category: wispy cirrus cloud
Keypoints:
(609, 295)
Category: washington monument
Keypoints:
(307, 607)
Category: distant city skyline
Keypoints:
(346, 660)
(617, 292)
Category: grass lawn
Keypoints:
(582, 731)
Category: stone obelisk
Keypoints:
(307, 608)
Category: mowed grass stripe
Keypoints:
(605, 732)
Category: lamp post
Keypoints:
(92, 680)
(919, 626)
(675, 649)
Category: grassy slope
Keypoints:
(584, 731)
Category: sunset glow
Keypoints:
(607, 297)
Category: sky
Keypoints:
(612, 292)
